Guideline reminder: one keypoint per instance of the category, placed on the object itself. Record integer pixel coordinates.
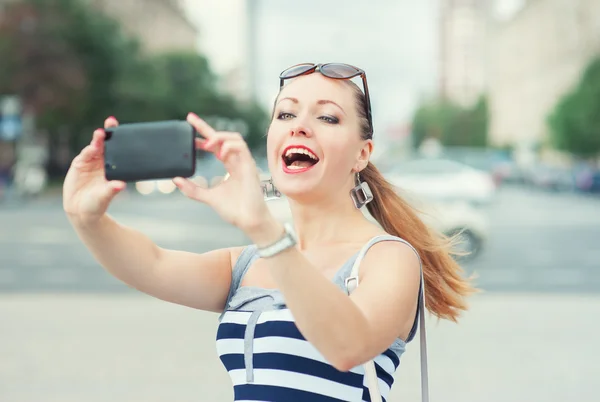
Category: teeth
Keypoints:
(300, 151)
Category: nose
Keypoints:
(301, 130)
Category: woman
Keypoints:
(288, 329)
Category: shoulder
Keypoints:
(391, 254)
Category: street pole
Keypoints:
(251, 45)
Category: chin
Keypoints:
(296, 191)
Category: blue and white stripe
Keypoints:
(268, 359)
(284, 366)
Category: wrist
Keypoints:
(86, 223)
(265, 232)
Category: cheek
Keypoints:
(339, 157)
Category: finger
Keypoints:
(111, 189)
(230, 148)
(202, 127)
(200, 143)
(215, 142)
(192, 190)
(98, 139)
(116, 185)
(111, 122)
(87, 154)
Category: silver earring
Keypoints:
(269, 190)
(361, 193)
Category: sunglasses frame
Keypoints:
(312, 67)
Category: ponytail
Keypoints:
(446, 289)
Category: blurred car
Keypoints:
(460, 219)
(587, 179)
(454, 218)
(443, 180)
(553, 178)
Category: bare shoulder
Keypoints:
(391, 256)
(389, 286)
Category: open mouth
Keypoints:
(299, 158)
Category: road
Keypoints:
(71, 333)
(538, 242)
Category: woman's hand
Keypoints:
(239, 199)
(86, 192)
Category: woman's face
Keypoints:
(314, 142)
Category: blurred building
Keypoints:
(160, 25)
(534, 58)
(462, 62)
(227, 39)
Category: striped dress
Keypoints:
(268, 359)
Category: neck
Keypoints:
(326, 222)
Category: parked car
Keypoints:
(443, 180)
(588, 180)
(552, 178)
(460, 219)
(452, 218)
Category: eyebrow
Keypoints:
(319, 102)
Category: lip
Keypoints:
(300, 147)
(296, 171)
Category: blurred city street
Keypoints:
(70, 332)
(541, 242)
(485, 111)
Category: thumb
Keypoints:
(192, 190)
(111, 189)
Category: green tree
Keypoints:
(73, 66)
(191, 86)
(575, 120)
(65, 59)
(451, 124)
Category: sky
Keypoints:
(394, 41)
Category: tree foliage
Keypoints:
(74, 66)
(451, 124)
(575, 120)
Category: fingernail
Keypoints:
(193, 115)
(112, 117)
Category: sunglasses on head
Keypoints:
(337, 71)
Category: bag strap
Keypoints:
(370, 372)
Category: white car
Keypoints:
(450, 218)
(443, 180)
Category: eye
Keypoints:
(284, 116)
(330, 119)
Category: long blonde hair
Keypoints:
(446, 287)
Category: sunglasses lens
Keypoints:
(338, 70)
(296, 70)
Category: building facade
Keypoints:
(534, 58)
(160, 25)
(462, 43)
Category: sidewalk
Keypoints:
(132, 348)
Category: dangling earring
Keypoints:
(269, 190)
(361, 193)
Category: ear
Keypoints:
(364, 155)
